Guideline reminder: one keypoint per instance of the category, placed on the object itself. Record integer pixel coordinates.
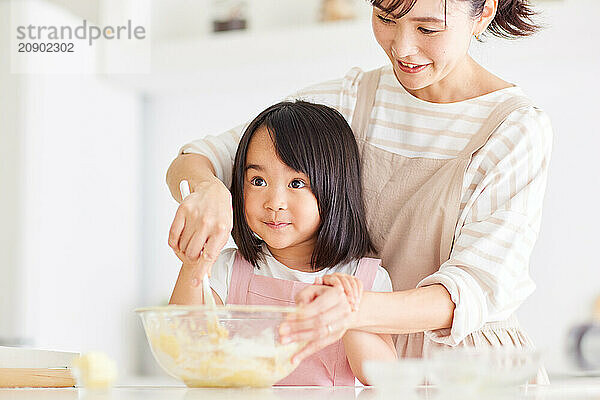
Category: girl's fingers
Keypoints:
(352, 286)
(357, 288)
(333, 280)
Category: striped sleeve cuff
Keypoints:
(217, 152)
(470, 304)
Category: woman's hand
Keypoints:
(352, 286)
(201, 226)
(324, 317)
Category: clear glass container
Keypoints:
(240, 347)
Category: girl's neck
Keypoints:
(295, 257)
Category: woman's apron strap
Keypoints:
(367, 88)
(497, 117)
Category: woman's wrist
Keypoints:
(195, 168)
(407, 311)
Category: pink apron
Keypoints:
(327, 367)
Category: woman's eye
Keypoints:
(297, 184)
(258, 182)
(385, 20)
(426, 31)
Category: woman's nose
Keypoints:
(404, 46)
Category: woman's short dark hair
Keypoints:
(513, 18)
(316, 140)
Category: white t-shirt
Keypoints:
(220, 277)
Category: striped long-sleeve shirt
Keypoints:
(487, 274)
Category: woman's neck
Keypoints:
(467, 80)
(296, 257)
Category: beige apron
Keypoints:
(413, 206)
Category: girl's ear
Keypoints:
(487, 16)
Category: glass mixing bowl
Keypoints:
(240, 347)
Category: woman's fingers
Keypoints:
(202, 225)
(326, 311)
(314, 299)
(326, 324)
(210, 253)
(314, 346)
(176, 230)
(194, 247)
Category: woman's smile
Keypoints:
(410, 68)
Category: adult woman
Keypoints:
(455, 162)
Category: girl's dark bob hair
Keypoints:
(316, 140)
(513, 18)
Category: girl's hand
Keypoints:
(352, 286)
(324, 317)
(201, 226)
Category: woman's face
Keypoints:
(425, 46)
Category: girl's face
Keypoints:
(424, 46)
(279, 204)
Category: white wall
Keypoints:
(556, 68)
(69, 271)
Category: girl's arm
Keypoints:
(362, 346)
(185, 293)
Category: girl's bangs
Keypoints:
(395, 8)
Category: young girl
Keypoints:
(298, 220)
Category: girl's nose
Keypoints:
(276, 200)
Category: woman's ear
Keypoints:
(487, 16)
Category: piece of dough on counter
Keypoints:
(95, 370)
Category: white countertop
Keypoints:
(573, 389)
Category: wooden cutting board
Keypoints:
(26, 367)
(36, 377)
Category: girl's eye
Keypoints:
(385, 20)
(426, 31)
(297, 184)
(258, 181)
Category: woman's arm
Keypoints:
(408, 311)
(204, 219)
(362, 346)
(195, 168)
